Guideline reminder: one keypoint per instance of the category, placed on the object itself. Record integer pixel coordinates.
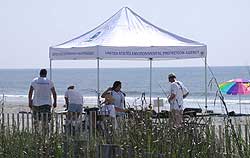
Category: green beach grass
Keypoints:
(139, 135)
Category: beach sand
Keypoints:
(15, 107)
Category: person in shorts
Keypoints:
(177, 93)
(39, 97)
(73, 101)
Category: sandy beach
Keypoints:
(15, 104)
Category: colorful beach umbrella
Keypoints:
(236, 87)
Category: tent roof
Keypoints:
(126, 35)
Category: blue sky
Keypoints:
(29, 27)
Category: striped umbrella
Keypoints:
(236, 87)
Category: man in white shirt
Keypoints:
(41, 101)
(177, 93)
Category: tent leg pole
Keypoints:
(150, 82)
(50, 69)
(206, 83)
(98, 82)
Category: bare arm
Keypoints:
(105, 92)
(30, 96)
(53, 90)
(171, 97)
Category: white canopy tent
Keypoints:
(128, 36)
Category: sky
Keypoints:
(28, 28)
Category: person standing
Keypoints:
(177, 93)
(74, 105)
(118, 95)
(74, 101)
(109, 109)
(39, 97)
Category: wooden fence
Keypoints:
(223, 137)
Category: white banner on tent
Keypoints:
(73, 53)
(152, 52)
(128, 53)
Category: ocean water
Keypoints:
(14, 84)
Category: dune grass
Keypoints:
(139, 135)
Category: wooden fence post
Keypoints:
(221, 141)
(246, 139)
(13, 122)
(18, 123)
(8, 122)
(22, 121)
(27, 121)
(61, 123)
(57, 125)
(92, 124)
(108, 151)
